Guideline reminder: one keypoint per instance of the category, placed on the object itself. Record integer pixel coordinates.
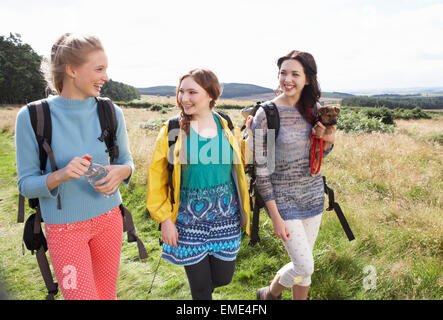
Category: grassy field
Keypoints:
(388, 185)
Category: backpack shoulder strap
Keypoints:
(227, 118)
(272, 116)
(336, 207)
(40, 115)
(173, 124)
(129, 228)
(41, 123)
(108, 124)
(173, 132)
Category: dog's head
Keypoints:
(328, 114)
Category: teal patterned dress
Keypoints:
(208, 220)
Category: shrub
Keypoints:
(351, 121)
(146, 105)
(231, 106)
(156, 107)
(435, 138)
(386, 115)
(416, 113)
(154, 124)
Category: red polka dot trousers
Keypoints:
(85, 256)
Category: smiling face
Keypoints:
(89, 77)
(292, 78)
(192, 98)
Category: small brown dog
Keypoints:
(328, 115)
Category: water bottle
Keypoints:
(95, 173)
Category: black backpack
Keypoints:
(33, 236)
(256, 201)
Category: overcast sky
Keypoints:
(358, 45)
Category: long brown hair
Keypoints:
(311, 92)
(206, 79)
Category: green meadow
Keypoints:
(389, 185)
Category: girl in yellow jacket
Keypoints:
(200, 220)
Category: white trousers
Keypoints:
(299, 247)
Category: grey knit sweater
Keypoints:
(287, 179)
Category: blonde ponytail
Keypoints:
(70, 49)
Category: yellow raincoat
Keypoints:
(158, 200)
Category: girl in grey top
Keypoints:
(294, 198)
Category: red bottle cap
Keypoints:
(87, 158)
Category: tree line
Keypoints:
(119, 91)
(22, 79)
(395, 102)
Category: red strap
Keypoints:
(315, 168)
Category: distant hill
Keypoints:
(401, 91)
(234, 90)
(158, 90)
(230, 90)
(338, 95)
(241, 91)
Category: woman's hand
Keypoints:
(280, 228)
(73, 170)
(116, 174)
(250, 139)
(318, 129)
(248, 124)
(169, 233)
(328, 134)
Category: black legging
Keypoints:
(208, 274)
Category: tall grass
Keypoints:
(389, 186)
